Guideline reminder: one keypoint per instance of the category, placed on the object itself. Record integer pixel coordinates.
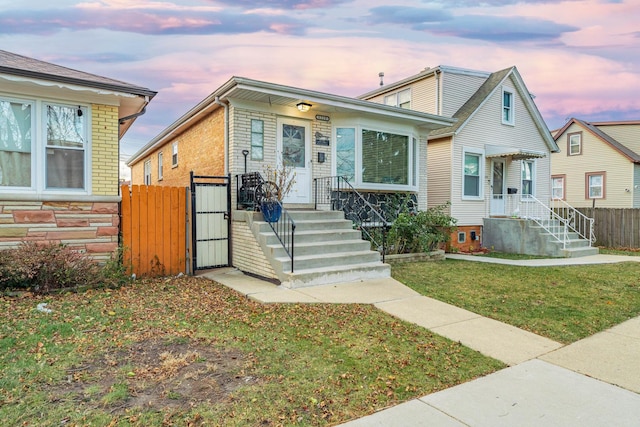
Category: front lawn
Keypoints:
(187, 351)
(564, 303)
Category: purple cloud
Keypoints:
(154, 22)
(406, 15)
(284, 4)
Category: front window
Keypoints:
(400, 99)
(376, 159)
(66, 143)
(574, 142)
(528, 178)
(257, 139)
(557, 187)
(507, 107)
(16, 121)
(385, 158)
(147, 172)
(595, 185)
(471, 179)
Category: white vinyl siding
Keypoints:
(456, 90)
(439, 167)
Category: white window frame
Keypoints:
(508, 108)
(481, 164)
(570, 144)
(603, 180)
(393, 99)
(38, 184)
(174, 155)
(147, 172)
(160, 166)
(257, 143)
(413, 151)
(554, 187)
(533, 178)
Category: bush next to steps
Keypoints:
(421, 231)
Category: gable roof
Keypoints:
(24, 72)
(242, 88)
(594, 129)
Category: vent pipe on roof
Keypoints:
(381, 75)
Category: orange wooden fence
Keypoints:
(154, 229)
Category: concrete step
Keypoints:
(580, 252)
(328, 247)
(328, 275)
(334, 260)
(318, 236)
(302, 215)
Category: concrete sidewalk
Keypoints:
(547, 383)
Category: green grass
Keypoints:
(313, 365)
(565, 303)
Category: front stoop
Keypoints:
(327, 250)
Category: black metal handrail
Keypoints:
(251, 193)
(336, 193)
(285, 229)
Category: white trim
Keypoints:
(479, 152)
(512, 109)
(534, 174)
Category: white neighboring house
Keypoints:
(494, 161)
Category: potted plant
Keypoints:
(278, 183)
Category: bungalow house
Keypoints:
(598, 164)
(493, 163)
(246, 125)
(59, 144)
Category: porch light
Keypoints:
(303, 107)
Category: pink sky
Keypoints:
(580, 58)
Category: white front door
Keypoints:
(294, 149)
(498, 187)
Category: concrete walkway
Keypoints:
(593, 382)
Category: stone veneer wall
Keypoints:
(91, 228)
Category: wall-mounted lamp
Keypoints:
(303, 106)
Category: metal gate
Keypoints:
(210, 201)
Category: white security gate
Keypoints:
(210, 201)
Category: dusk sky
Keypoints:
(580, 58)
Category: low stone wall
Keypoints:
(90, 228)
(418, 257)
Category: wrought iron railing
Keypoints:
(250, 195)
(556, 217)
(336, 193)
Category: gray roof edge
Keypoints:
(632, 155)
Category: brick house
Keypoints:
(59, 153)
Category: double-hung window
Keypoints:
(557, 187)
(528, 178)
(52, 159)
(471, 175)
(174, 155)
(375, 159)
(595, 185)
(160, 166)
(574, 144)
(257, 139)
(147, 172)
(507, 107)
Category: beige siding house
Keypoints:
(598, 164)
(494, 158)
(60, 131)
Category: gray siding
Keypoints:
(439, 170)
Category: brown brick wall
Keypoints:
(91, 228)
(200, 149)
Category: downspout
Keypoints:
(226, 133)
(437, 110)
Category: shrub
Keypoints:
(43, 268)
(421, 231)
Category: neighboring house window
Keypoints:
(66, 144)
(557, 187)
(59, 150)
(507, 107)
(373, 158)
(147, 172)
(160, 171)
(16, 138)
(595, 182)
(472, 171)
(174, 154)
(400, 99)
(528, 177)
(257, 139)
(574, 144)
(346, 153)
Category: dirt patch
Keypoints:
(155, 374)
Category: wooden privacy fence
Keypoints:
(615, 228)
(154, 229)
